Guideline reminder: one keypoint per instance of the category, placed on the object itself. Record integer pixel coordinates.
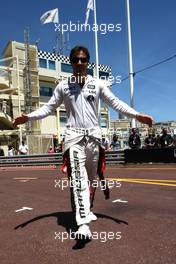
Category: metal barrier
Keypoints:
(31, 160)
(160, 155)
(55, 159)
(115, 157)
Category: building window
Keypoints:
(63, 119)
(90, 71)
(103, 75)
(66, 68)
(103, 123)
(43, 63)
(51, 65)
(104, 120)
(46, 91)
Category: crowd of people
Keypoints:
(152, 140)
(12, 151)
(134, 141)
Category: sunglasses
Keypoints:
(77, 59)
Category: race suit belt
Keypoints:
(82, 131)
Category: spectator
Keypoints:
(105, 143)
(115, 144)
(51, 149)
(62, 145)
(23, 148)
(166, 140)
(157, 142)
(1, 152)
(154, 138)
(174, 140)
(150, 141)
(57, 149)
(134, 140)
(10, 151)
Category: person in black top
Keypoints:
(134, 140)
(166, 140)
(1, 152)
(150, 141)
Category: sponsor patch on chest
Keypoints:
(90, 86)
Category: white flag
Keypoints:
(50, 16)
(89, 7)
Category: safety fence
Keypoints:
(115, 157)
(162, 155)
(53, 159)
(32, 160)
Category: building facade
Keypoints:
(169, 125)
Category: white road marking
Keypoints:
(23, 180)
(110, 187)
(23, 209)
(119, 201)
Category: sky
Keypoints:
(153, 40)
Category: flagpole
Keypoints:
(131, 73)
(96, 54)
(96, 41)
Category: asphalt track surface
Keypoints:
(138, 227)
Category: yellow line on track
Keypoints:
(144, 182)
(141, 179)
(154, 183)
(139, 168)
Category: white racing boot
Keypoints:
(83, 232)
(92, 216)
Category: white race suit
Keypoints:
(83, 132)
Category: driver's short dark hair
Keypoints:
(77, 49)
